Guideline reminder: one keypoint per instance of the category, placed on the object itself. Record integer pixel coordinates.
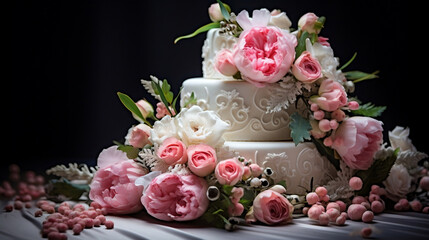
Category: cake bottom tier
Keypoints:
(294, 164)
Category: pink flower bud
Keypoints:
(353, 105)
(255, 169)
(145, 108)
(327, 141)
(307, 22)
(215, 13)
(314, 107)
(338, 115)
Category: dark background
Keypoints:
(69, 58)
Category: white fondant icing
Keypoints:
(243, 106)
(295, 164)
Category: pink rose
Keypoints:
(224, 63)
(307, 21)
(215, 13)
(201, 159)
(172, 197)
(262, 54)
(229, 172)
(172, 151)
(145, 108)
(162, 111)
(331, 96)
(139, 136)
(356, 140)
(270, 207)
(113, 184)
(306, 68)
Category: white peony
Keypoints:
(399, 139)
(398, 183)
(195, 126)
(163, 129)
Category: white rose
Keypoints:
(197, 126)
(163, 129)
(399, 138)
(280, 20)
(398, 183)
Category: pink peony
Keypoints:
(201, 159)
(262, 54)
(271, 207)
(306, 68)
(224, 63)
(172, 151)
(331, 96)
(113, 184)
(356, 140)
(172, 197)
(229, 172)
(139, 136)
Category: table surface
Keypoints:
(21, 224)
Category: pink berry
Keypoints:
(355, 212)
(367, 216)
(338, 115)
(8, 208)
(333, 124)
(102, 218)
(416, 205)
(314, 107)
(28, 205)
(341, 220)
(366, 205)
(95, 205)
(319, 115)
(109, 224)
(325, 198)
(424, 183)
(305, 210)
(77, 229)
(333, 214)
(342, 205)
(404, 204)
(377, 206)
(38, 213)
(62, 227)
(18, 205)
(324, 219)
(425, 210)
(315, 211)
(373, 197)
(97, 222)
(89, 222)
(366, 232)
(333, 205)
(358, 200)
(312, 198)
(324, 125)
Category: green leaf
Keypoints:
(328, 152)
(175, 100)
(130, 105)
(162, 96)
(348, 62)
(320, 23)
(369, 110)
(377, 173)
(301, 44)
(300, 128)
(282, 183)
(202, 29)
(132, 152)
(68, 189)
(358, 76)
(224, 11)
(192, 100)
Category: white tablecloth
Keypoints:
(21, 224)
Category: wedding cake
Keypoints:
(254, 132)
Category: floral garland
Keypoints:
(174, 165)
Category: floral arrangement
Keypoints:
(173, 163)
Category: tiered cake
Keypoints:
(254, 133)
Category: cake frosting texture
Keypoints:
(243, 106)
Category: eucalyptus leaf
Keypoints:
(202, 29)
(300, 128)
(68, 189)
